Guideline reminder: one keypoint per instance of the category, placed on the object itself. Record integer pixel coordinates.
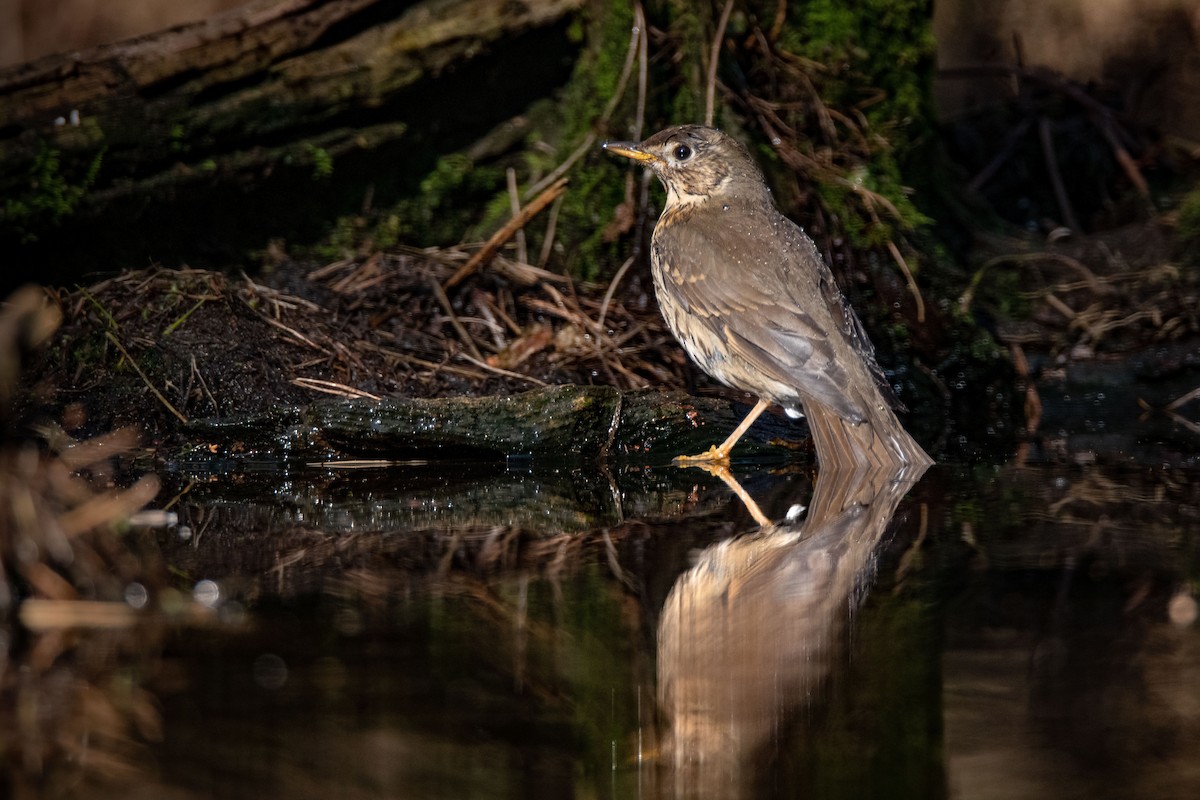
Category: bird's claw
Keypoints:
(714, 456)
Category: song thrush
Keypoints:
(746, 292)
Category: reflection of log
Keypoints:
(750, 632)
(560, 458)
(564, 423)
(525, 494)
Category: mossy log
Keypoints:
(264, 72)
(563, 458)
(277, 89)
(557, 424)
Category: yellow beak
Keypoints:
(630, 150)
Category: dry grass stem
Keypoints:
(551, 226)
(908, 277)
(153, 389)
(514, 201)
(368, 463)
(448, 310)
(39, 616)
(639, 118)
(500, 371)
(295, 334)
(337, 389)
(1183, 400)
(636, 37)
(612, 289)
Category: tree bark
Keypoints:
(277, 84)
(562, 458)
(559, 424)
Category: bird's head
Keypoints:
(696, 164)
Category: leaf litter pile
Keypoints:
(159, 347)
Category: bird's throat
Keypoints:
(682, 198)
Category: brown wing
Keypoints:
(842, 313)
(764, 290)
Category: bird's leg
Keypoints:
(720, 454)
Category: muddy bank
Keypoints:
(179, 352)
(189, 355)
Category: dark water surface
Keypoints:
(1000, 630)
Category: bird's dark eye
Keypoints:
(683, 153)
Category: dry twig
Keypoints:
(908, 276)
(714, 56)
(337, 389)
(501, 237)
(448, 309)
(153, 389)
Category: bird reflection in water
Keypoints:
(748, 633)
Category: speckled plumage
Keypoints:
(747, 293)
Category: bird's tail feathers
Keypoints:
(878, 443)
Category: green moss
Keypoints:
(1187, 230)
(598, 69)
(687, 27)
(85, 352)
(888, 44)
(597, 187)
(450, 173)
(879, 52)
(584, 215)
(1006, 291)
(176, 139)
(51, 195)
(465, 196)
(878, 57)
(387, 232)
(343, 240)
(443, 210)
(898, 335)
(322, 162)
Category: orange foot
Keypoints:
(713, 455)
